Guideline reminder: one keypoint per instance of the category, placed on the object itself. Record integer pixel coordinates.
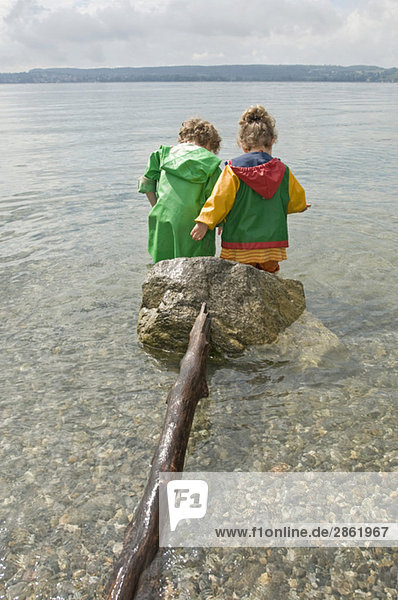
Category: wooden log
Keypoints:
(141, 540)
(151, 586)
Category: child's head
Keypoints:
(201, 133)
(256, 129)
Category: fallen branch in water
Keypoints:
(141, 540)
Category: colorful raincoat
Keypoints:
(253, 197)
(183, 177)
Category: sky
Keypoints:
(138, 33)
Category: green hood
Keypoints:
(187, 161)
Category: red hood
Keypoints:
(263, 179)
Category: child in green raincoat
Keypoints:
(178, 180)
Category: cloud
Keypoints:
(206, 57)
(259, 18)
(30, 24)
(89, 33)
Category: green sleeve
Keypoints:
(211, 182)
(147, 183)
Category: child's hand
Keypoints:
(199, 232)
(306, 207)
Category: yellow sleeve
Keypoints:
(222, 199)
(297, 201)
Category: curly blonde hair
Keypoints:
(256, 129)
(200, 132)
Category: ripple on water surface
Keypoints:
(82, 403)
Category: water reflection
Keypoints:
(82, 403)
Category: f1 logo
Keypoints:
(187, 499)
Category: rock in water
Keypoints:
(247, 306)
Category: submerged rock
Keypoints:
(247, 306)
(306, 342)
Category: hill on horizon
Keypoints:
(227, 73)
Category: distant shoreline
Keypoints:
(218, 73)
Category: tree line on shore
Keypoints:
(358, 73)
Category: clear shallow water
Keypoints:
(82, 403)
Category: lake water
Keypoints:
(82, 403)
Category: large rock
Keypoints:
(247, 306)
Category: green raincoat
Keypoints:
(183, 177)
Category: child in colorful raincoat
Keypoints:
(177, 182)
(253, 197)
